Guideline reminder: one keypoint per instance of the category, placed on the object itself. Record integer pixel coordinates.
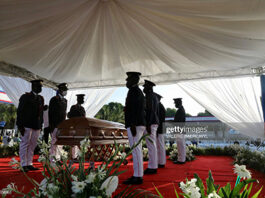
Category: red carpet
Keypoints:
(221, 167)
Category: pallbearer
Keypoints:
(160, 142)
(57, 114)
(180, 117)
(135, 124)
(152, 122)
(77, 111)
(29, 122)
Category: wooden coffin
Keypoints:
(72, 131)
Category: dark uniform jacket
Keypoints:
(180, 115)
(162, 117)
(57, 111)
(152, 109)
(135, 108)
(76, 111)
(30, 111)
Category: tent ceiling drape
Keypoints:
(93, 101)
(93, 43)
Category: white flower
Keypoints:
(85, 142)
(110, 185)
(52, 188)
(90, 178)
(42, 158)
(190, 188)
(43, 184)
(123, 155)
(115, 158)
(63, 154)
(74, 177)
(213, 195)
(101, 172)
(78, 187)
(241, 171)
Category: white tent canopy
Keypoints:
(93, 43)
(93, 101)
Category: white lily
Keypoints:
(110, 185)
(241, 171)
(90, 178)
(213, 195)
(78, 187)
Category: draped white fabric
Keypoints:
(94, 99)
(235, 102)
(15, 87)
(93, 43)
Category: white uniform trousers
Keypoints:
(161, 151)
(181, 148)
(152, 149)
(137, 152)
(27, 146)
(75, 150)
(55, 149)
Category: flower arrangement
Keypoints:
(174, 154)
(195, 188)
(63, 180)
(11, 149)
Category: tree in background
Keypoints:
(205, 113)
(112, 112)
(188, 115)
(8, 113)
(170, 112)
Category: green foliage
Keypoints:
(205, 113)
(8, 113)
(113, 111)
(241, 190)
(188, 115)
(170, 112)
(241, 155)
(6, 151)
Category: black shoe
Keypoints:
(24, 169)
(178, 162)
(133, 180)
(161, 165)
(32, 168)
(150, 171)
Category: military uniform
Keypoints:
(152, 119)
(76, 111)
(135, 116)
(29, 116)
(160, 142)
(57, 114)
(180, 116)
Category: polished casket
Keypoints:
(74, 130)
(103, 136)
